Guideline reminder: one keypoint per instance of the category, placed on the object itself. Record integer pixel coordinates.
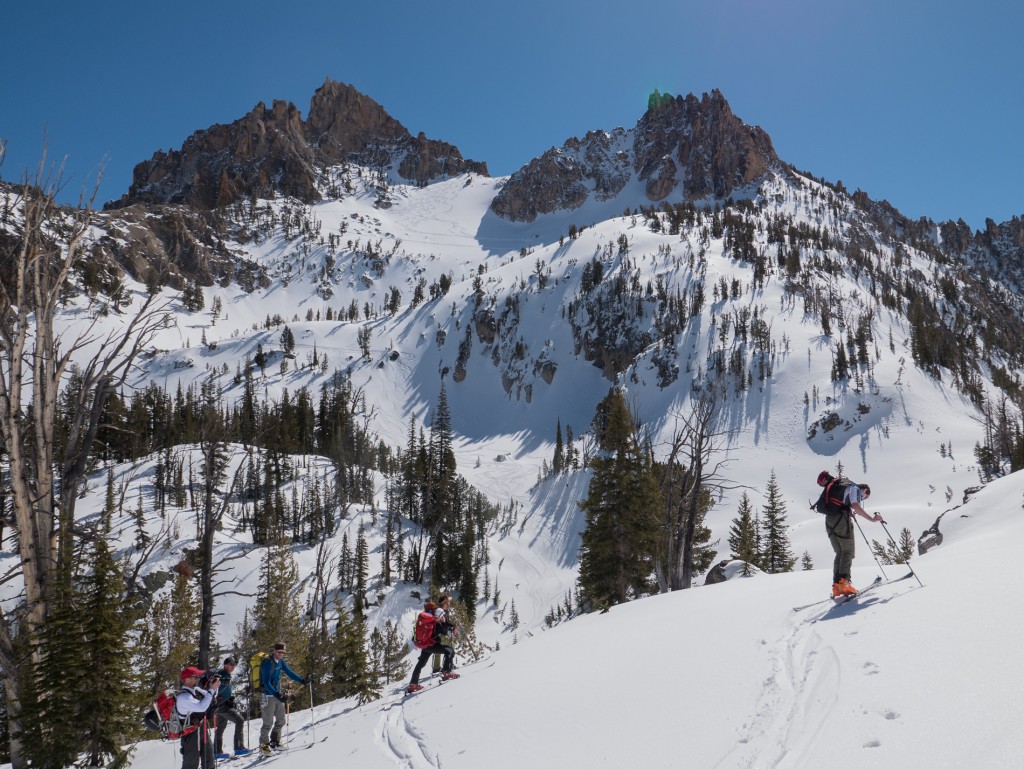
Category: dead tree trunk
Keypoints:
(35, 360)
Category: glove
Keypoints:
(304, 682)
(279, 696)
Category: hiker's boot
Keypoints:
(265, 749)
(413, 688)
(448, 676)
(242, 751)
(837, 589)
(847, 587)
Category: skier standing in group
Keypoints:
(272, 699)
(227, 712)
(840, 500)
(193, 704)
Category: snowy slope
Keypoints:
(730, 676)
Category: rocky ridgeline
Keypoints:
(274, 151)
(684, 146)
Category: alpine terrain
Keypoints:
(313, 369)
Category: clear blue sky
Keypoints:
(916, 102)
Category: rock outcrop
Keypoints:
(683, 147)
(274, 151)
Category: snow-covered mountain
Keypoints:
(678, 255)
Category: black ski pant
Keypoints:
(224, 715)
(425, 654)
(840, 534)
(197, 748)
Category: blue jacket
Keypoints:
(270, 675)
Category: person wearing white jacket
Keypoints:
(192, 704)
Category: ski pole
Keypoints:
(907, 562)
(312, 712)
(871, 549)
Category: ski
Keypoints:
(843, 599)
(877, 583)
(840, 600)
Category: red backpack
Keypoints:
(423, 630)
(163, 717)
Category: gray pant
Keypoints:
(273, 720)
(840, 534)
(227, 715)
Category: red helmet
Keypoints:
(824, 478)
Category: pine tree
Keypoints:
(806, 564)
(351, 674)
(277, 614)
(777, 555)
(362, 557)
(743, 535)
(389, 653)
(558, 462)
(170, 635)
(108, 655)
(52, 734)
(623, 500)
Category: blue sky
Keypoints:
(916, 102)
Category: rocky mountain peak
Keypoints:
(274, 151)
(342, 120)
(683, 148)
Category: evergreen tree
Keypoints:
(621, 508)
(170, 635)
(362, 557)
(892, 552)
(558, 462)
(442, 514)
(351, 674)
(777, 555)
(389, 651)
(107, 655)
(277, 614)
(288, 341)
(743, 535)
(806, 564)
(53, 735)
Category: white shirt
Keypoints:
(853, 495)
(187, 703)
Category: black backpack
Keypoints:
(832, 499)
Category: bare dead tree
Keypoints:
(45, 476)
(320, 641)
(695, 463)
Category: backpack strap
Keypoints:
(839, 501)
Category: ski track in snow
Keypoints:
(796, 700)
(400, 740)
